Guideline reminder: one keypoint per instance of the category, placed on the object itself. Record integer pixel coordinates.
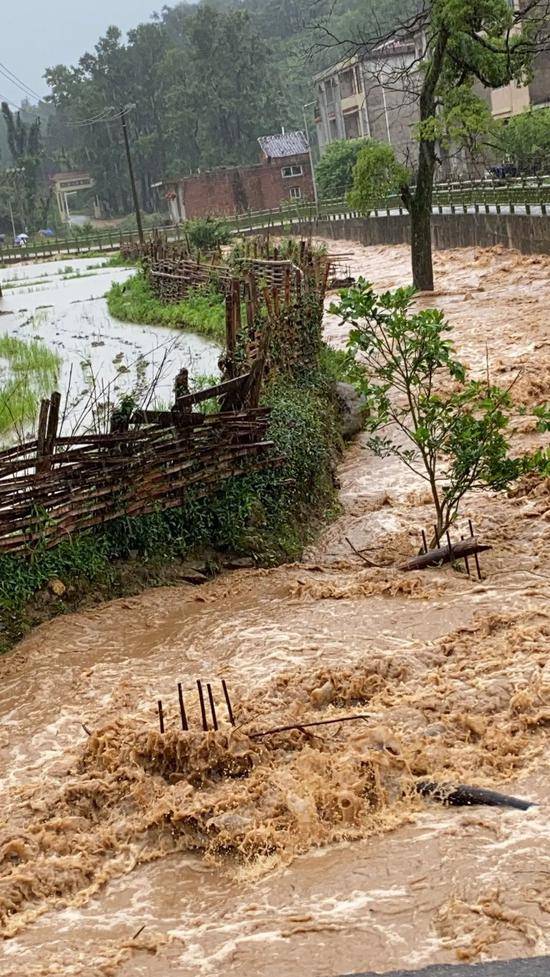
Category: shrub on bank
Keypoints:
(208, 234)
(203, 311)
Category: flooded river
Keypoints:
(304, 853)
(62, 304)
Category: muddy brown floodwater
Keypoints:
(127, 853)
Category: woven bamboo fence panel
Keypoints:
(55, 486)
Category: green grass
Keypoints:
(119, 261)
(203, 311)
(30, 372)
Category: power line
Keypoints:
(93, 118)
(102, 117)
(15, 80)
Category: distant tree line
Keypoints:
(205, 81)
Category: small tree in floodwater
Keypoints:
(421, 407)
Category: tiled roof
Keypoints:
(284, 144)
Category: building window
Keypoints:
(295, 193)
(292, 171)
(330, 93)
(347, 83)
(352, 126)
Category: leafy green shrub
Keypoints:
(208, 234)
(542, 413)
(334, 171)
(148, 222)
(525, 140)
(422, 408)
(376, 176)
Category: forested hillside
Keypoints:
(205, 81)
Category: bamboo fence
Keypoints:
(269, 289)
(55, 486)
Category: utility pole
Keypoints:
(12, 221)
(131, 172)
(313, 178)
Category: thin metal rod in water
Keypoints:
(203, 710)
(228, 703)
(212, 706)
(466, 561)
(183, 714)
(161, 716)
(478, 568)
(320, 722)
(450, 545)
(424, 541)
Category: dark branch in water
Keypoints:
(463, 796)
(445, 554)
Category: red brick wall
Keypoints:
(237, 189)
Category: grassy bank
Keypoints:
(268, 516)
(28, 371)
(203, 311)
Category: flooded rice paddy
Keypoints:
(305, 854)
(61, 304)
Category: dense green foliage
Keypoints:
(208, 234)
(525, 141)
(21, 185)
(203, 310)
(204, 81)
(447, 429)
(464, 44)
(334, 172)
(267, 514)
(376, 175)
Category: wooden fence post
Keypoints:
(53, 424)
(48, 422)
(230, 329)
(41, 436)
(236, 309)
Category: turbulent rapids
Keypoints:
(307, 852)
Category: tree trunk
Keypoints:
(421, 204)
(421, 212)
(444, 554)
(421, 245)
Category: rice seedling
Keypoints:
(28, 372)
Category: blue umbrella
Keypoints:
(47, 232)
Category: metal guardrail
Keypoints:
(78, 244)
(479, 196)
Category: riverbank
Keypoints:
(267, 517)
(202, 312)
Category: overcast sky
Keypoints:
(37, 34)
